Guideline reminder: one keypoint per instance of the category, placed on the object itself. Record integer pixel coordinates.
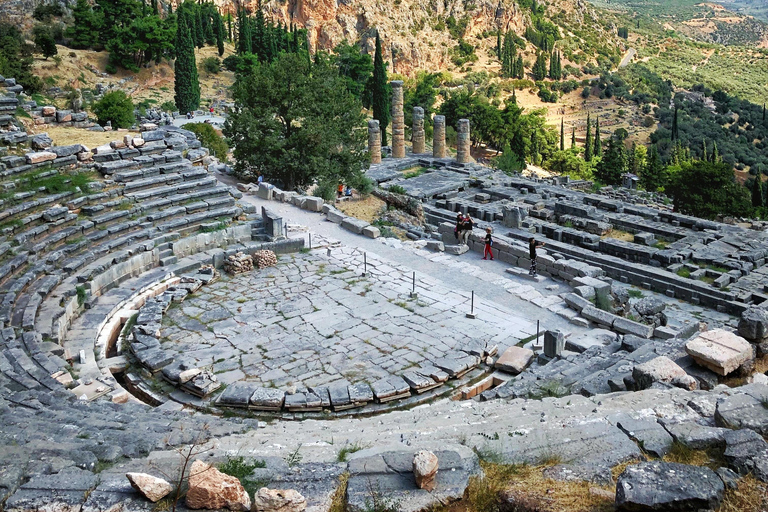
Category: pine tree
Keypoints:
(243, 33)
(84, 32)
(186, 85)
(757, 192)
(613, 164)
(598, 145)
(588, 142)
(380, 91)
(573, 137)
(562, 135)
(258, 36)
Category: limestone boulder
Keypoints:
(754, 324)
(425, 466)
(40, 157)
(278, 500)
(514, 360)
(151, 487)
(40, 141)
(668, 486)
(659, 369)
(719, 351)
(209, 488)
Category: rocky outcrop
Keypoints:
(209, 488)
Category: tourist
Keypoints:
(348, 191)
(260, 179)
(457, 229)
(532, 245)
(211, 110)
(488, 244)
(466, 229)
(340, 190)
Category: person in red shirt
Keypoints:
(488, 244)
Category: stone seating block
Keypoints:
(719, 351)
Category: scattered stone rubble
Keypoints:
(238, 263)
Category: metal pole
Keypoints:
(471, 313)
(310, 240)
(414, 283)
(365, 264)
(537, 332)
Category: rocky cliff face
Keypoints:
(414, 33)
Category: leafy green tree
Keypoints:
(613, 164)
(355, 66)
(421, 92)
(570, 163)
(44, 41)
(296, 123)
(84, 31)
(209, 138)
(708, 189)
(186, 83)
(116, 107)
(380, 91)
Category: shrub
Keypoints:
(396, 189)
(211, 65)
(116, 107)
(327, 190)
(168, 106)
(585, 93)
(210, 138)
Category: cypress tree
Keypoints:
(380, 91)
(199, 35)
(588, 143)
(562, 135)
(514, 97)
(704, 152)
(757, 192)
(763, 111)
(258, 35)
(186, 85)
(573, 137)
(715, 153)
(498, 44)
(209, 27)
(243, 33)
(520, 67)
(598, 146)
(219, 34)
(674, 126)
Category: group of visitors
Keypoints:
(463, 229)
(343, 190)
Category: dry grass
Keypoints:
(734, 380)
(711, 458)
(339, 500)
(65, 135)
(750, 496)
(532, 492)
(367, 209)
(618, 234)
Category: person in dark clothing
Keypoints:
(466, 229)
(532, 245)
(457, 229)
(488, 244)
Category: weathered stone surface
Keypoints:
(660, 369)
(151, 487)
(746, 410)
(354, 225)
(40, 141)
(40, 156)
(653, 437)
(211, 489)
(747, 452)
(514, 360)
(389, 474)
(719, 351)
(754, 324)
(668, 486)
(371, 232)
(278, 500)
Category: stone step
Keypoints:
(170, 260)
(523, 274)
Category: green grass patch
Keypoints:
(346, 451)
(635, 294)
(243, 471)
(397, 189)
(414, 173)
(82, 294)
(684, 272)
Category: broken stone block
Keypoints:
(554, 343)
(436, 245)
(425, 466)
(456, 249)
(660, 369)
(278, 500)
(151, 487)
(719, 351)
(209, 488)
(754, 324)
(514, 360)
(371, 232)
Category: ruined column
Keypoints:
(417, 139)
(438, 137)
(398, 120)
(462, 142)
(374, 141)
